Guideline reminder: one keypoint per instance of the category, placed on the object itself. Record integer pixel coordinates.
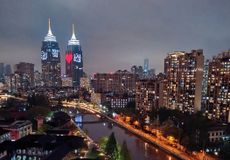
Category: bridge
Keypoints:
(79, 119)
(89, 122)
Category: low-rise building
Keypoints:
(18, 129)
(4, 135)
(216, 133)
(42, 147)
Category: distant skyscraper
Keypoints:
(137, 70)
(1, 72)
(74, 60)
(51, 62)
(1, 68)
(8, 69)
(217, 104)
(26, 74)
(184, 74)
(146, 66)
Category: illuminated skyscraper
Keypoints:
(74, 60)
(184, 74)
(217, 104)
(51, 62)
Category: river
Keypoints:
(139, 150)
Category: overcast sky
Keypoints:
(114, 34)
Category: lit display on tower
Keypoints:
(74, 60)
(50, 58)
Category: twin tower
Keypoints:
(51, 60)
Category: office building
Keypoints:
(51, 61)
(74, 60)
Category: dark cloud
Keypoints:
(114, 34)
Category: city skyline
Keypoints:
(114, 31)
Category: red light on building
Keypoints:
(68, 57)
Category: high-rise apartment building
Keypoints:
(184, 74)
(146, 98)
(119, 82)
(150, 93)
(51, 61)
(74, 60)
(217, 104)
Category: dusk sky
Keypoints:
(114, 34)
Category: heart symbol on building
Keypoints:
(68, 57)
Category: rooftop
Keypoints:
(14, 124)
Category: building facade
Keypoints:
(184, 74)
(4, 135)
(38, 82)
(74, 60)
(51, 60)
(7, 70)
(121, 101)
(2, 74)
(18, 129)
(26, 73)
(146, 97)
(217, 104)
(119, 82)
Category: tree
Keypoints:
(38, 100)
(103, 141)
(43, 129)
(111, 147)
(38, 111)
(164, 114)
(124, 154)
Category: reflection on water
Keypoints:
(139, 150)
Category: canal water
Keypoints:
(139, 150)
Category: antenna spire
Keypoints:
(49, 27)
(73, 29)
(73, 33)
(49, 36)
(73, 40)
